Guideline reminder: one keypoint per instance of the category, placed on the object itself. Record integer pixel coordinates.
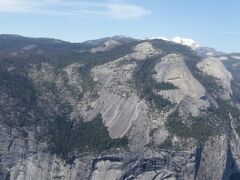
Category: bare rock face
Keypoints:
(42, 102)
(48, 167)
(146, 48)
(74, 80)
(163, 174)
(214, 67)
(173, 69)
(215, 150)
(106, 46)
(107, 170)
(118, 102)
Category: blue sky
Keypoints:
(213, 23)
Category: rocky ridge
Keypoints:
(133, 90)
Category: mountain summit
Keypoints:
(188, 42)
(117, 108)
(183, 41)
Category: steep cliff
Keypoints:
(117, 108)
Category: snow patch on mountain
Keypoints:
(223, 58)
(187, 42)
(184, 41)
(236, 57)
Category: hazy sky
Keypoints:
(214, 23)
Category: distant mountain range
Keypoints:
(118, 108)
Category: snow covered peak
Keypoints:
(201, 50)
(186, 42)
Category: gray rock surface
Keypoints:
(106, 46)
(153, 151)
(173, 69)
(214, 67)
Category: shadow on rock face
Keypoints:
(4, 175)
(235, 176)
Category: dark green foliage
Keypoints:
(209, 82)
(200, 129)
(171, 48)
(151, 133)
(90, 60)
(167, 144)
(68, 137)
(165, 86)
(102, 57)
(24, 133)
(234, 67)
(88, 83)
(224, 112)
(225, 108)
(57, 53)
(146, 85)
(235, 86)
(191, 60)
(43, 106)
(215, 121)
(15, 84)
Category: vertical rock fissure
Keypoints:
(230, 167)
(198, 157)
